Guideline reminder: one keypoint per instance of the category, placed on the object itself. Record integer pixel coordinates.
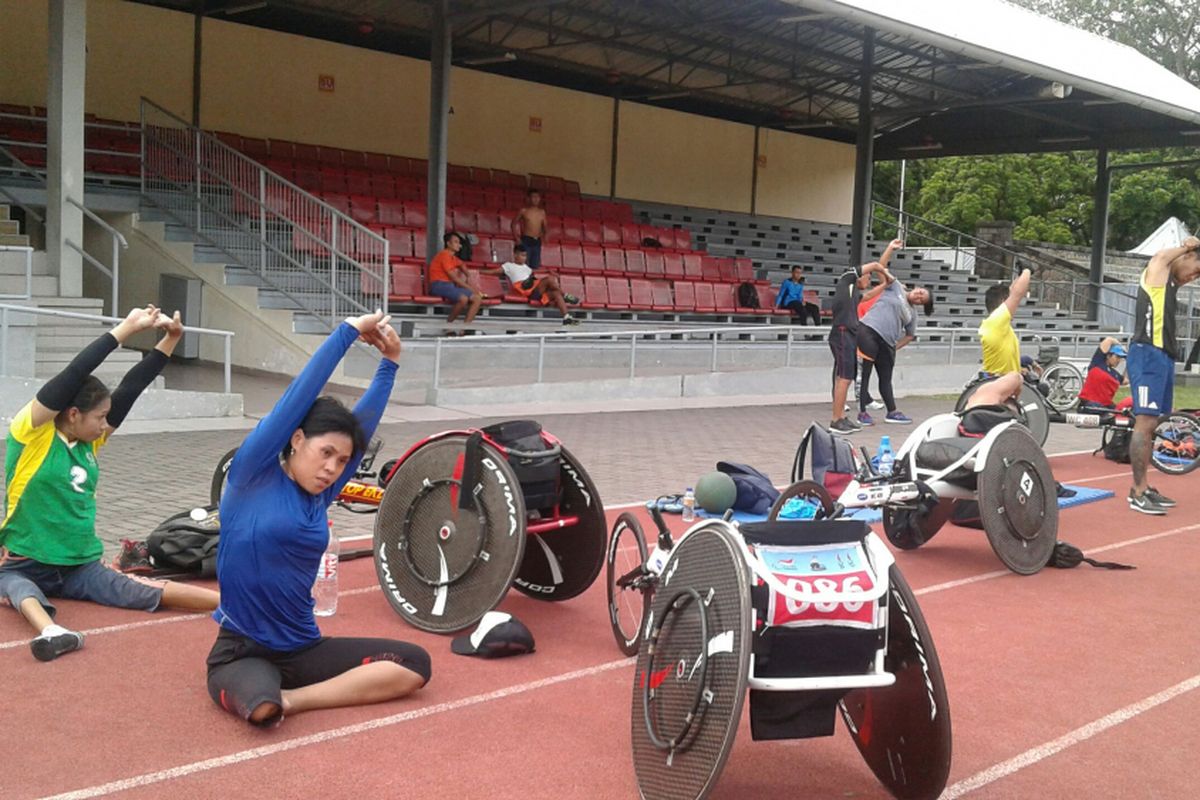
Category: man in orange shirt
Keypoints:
(448, 280)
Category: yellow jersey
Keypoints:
(1001, 350)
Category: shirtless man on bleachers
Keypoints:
(529, 227)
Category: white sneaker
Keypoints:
(875, 405)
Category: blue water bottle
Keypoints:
(886, 459)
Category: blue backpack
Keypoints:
(755, 492)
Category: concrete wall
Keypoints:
(264, 84)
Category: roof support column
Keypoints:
(64, 141)
(864, 155)
(439, 120)
(1099, 232)
(197, 55)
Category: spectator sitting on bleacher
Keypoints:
(791, 297)
(529, 227)
(448, 279)
(536, 289)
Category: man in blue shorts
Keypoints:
(1151, 361)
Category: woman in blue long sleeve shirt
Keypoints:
(270, 659)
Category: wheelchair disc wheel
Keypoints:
(1018, 501)
(908, 529)
(1064, 380)
(1176, 449)
(903, 730)
(629, 584)
(220, 475)
(810, 491)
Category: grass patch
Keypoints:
(1185, 396)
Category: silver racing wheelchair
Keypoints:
(811, 620)
(980, 456)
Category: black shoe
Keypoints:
(1145, 504)
(48, 648)
(570, 299)
(134, 557)
(1160, 498)
(843, 427)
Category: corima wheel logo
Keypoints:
(407, 607)
(510, 499)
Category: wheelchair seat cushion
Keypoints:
(941, 453)
(977, 421)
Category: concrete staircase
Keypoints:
(10, 230)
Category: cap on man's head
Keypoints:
(497, 635)
(1118, 350)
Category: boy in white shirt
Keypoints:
(536, 289)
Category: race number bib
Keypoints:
(820, 570)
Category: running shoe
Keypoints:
(875, 405)
(134, 557)
(897, 418)
(1159, 497)
(1145, 504)
(569, 320)
(570, 299)
(48, 648)
(843, 427)
(864, 419)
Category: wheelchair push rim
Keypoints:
(699, 648)
(1176, 449)
(443, 566)
(1018, 502)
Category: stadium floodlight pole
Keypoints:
(439, 123)
(864, 154)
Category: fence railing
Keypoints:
(723, 341)
(309, 251)
(28, 251)
(110, 149)
(7, 311)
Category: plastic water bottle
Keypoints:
(325, 590)
(886, 459)
(689, 505)
(494, 259)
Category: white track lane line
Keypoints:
(253, 754)
(1081, 734)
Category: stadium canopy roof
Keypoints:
(948, 77)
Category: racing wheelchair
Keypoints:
(454, 516)
(814, 619)
(981, 455)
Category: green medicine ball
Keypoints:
(716, 492)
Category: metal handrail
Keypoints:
(952, 337)
(117, 240)
(6, 308)
(22, 167)
(28, 251)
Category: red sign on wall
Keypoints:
(535, 124)
(325, 83)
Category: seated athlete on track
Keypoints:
(270, 660)
(48, 542)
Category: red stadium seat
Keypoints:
(593, 231)
(572, 257)
(710, 268)
(306, 152)
(406, 281)
(655, 268)
(618, 292)
(766, 296)
(743, 269)
(706, 300)
(490, 284)
(572, 229)
(400, 243)
(362, 209)
(685, 296)
(488, 222)
(614, 261)
(725, 296)
(504, 250)
(572, 284)
(554, 229)
(571, 207)
(727, 270)
(631, 235)
(611, 233)
(693, 266)
(376, 162)
(359, 183)
(391, 212)
(683, 239)
(463, 219)
(674, 265)
(595, 292)
(383, 185)
(641, 294)
(339, 201)
(593, 259)
(663, 301)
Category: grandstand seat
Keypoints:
(595, 292)
(635, 261)
(539, 182)
(514, 198)
(457, 174)
(551, 253)
(727, 269)
(506, 219)
(258, 149)
(383, 186)
(420, 245)
(400, 243)
(693, 267)
(488, 222)
(655, 267)
(493, 198)
(409, 189)
(743, 269)
(360, 183)
(362, 209)
(614, 261)
(706, 300)
(710, 268)
(481, 175)
(334, 183)
(618, 292)
(406, 282)
(641, 294)
(685, 296)
(414, 214)
(592, 209)
(472, 196)
(376, 162)
(593, 231)
(571, 207)
(571, 188)
(610, 233)
(504, 249)
(391, 212)
(683, 239)
(572, 284)
(766, 297)
(516, 181)
(631, 235)
(554, 229)
(673, 262)
(572, 257)
(725, 297)
(593, 259)
(339, 201)
(663, 300)
(305, 152)
(279, 149)
(489, 284)
(355, 159)
(572, 229)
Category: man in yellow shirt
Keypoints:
(1001, 350)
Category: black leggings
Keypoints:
(242, 674)
(882, 356)
(804, 311)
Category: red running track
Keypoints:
(1074, 683)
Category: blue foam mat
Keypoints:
(1083, 494)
